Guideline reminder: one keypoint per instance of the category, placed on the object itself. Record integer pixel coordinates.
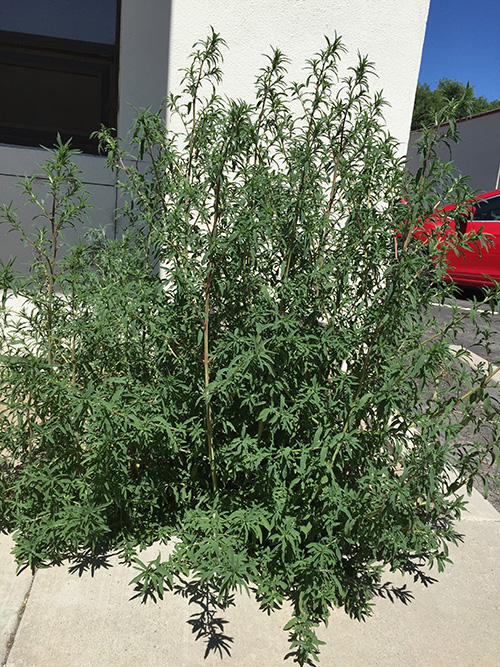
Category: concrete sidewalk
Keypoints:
(64, 617)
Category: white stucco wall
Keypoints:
(390, 32)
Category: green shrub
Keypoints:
(253, 367)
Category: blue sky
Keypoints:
(462, 41)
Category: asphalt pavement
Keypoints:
(467, 336)
(484, 353)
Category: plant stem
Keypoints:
(206, 361)
(51, 280)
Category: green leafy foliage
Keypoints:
(429, 102)
(253, 368)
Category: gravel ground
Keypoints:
(493, 493)
(489, 468)
(467, 338)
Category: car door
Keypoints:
(472, 267)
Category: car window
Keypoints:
(487, 209)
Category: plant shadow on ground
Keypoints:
(393, 593)
(386, 590)
(85, 560)
(294, 655)
(90, 560)
(207, 623)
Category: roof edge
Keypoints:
(490, 112)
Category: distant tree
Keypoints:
(428, 102)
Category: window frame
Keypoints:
(69, 56)
(488, 203)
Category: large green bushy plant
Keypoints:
(253, 367)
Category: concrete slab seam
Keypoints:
(20, 615)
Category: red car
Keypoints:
(475, 265)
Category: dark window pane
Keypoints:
(85, 20)
(487, 209)
(41, 98)
(58, 70)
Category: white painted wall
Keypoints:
(157, 37)
(390, 32)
